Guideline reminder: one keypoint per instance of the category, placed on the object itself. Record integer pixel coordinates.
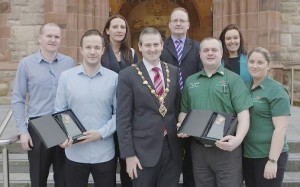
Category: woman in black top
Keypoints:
(118, 55)
(234, 53)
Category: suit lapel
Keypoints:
(186, 48)
(170, 46)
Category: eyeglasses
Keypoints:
(179, 20)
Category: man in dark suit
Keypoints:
(147, 106)
(183, 52)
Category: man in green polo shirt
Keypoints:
(219, 90)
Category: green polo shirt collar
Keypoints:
(262, 84)
(220, 71)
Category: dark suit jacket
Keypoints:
(139, 123)
(190, 60)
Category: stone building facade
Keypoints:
(274, 24)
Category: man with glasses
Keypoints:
(182, 52)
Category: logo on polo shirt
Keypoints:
(258, 99)
(193, 85)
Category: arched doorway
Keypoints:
(145, 13)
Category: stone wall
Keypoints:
(20, 21)
(290, 43)
(25, 20)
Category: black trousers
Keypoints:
(103, 174)
(254, 171)
(125, 179)
(40, 159)
(187, 167)
(165, 173)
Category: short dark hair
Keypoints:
(91, 32)
(210, 38)
(149, 30)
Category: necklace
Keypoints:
(162, 108)
(117, 52)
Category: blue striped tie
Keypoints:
(179, 48)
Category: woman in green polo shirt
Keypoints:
(265, 146)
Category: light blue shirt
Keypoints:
(37, 80)
(93, 100)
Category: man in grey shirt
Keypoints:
(33, 95)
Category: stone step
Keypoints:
(291, 179)
(293, 164)
(23, 180)
(19, 176)
(19, 163)
(294, 147)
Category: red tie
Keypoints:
(158, 85)
(159, 88)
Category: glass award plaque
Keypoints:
(70, 124)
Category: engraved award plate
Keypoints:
(216, 130)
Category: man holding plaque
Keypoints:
(147, 115)
(33, 96)
(90, 91)
(219, 90)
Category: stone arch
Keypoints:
(156, 14)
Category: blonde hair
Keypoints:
(266, 54)
(48, 24)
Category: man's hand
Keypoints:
(131, 166)
(90, 136)
(67, 143)
(181, 135)
(228, 143)
(270, 170)
(26, 141)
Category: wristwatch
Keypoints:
(272, 161)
